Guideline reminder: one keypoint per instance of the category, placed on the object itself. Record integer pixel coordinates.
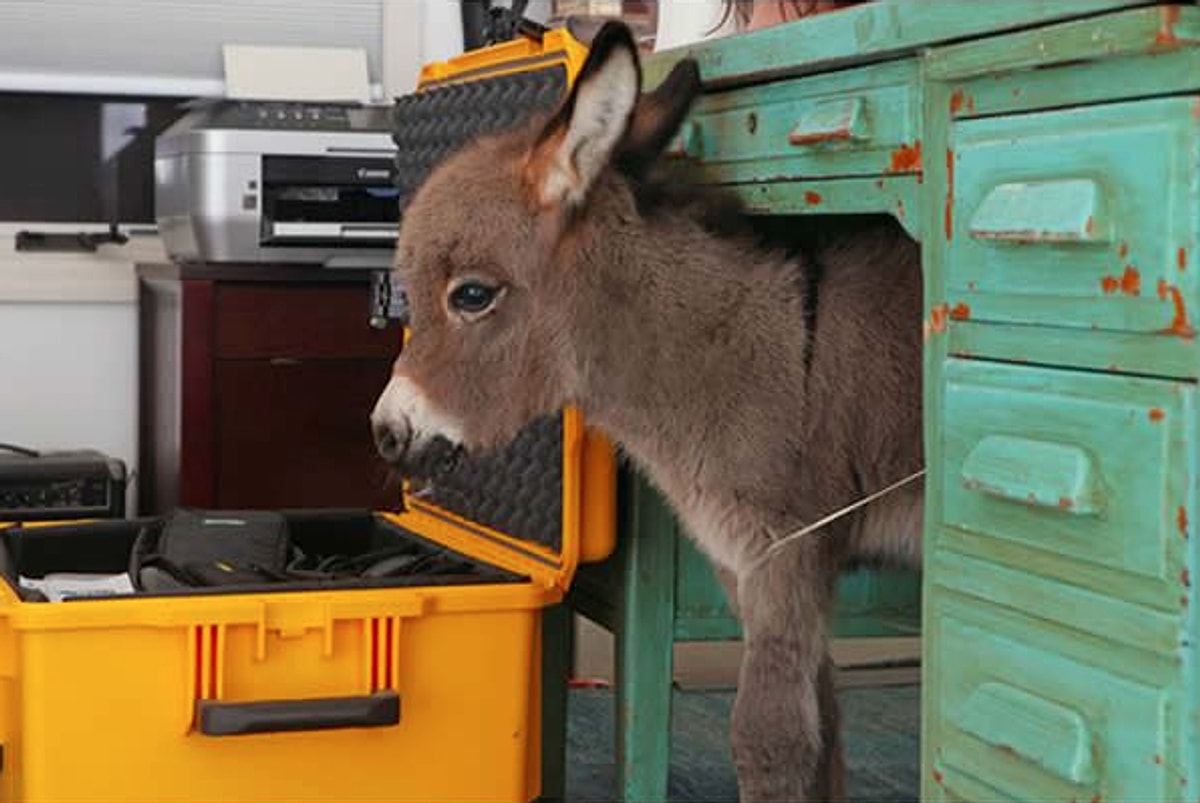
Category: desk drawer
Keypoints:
(1089, 471)
(1013, 720)
(1082, 218)
(298, 321)
(862, 122)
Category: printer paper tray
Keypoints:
(336, 231)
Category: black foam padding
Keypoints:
(517, 490)
(429, 125)
(105, 546)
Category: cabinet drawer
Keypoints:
(277, 320)
(854, 123)
(1015, 721)
(296, 433)
(1081, 218)
(1092, 469)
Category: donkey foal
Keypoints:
(758, 389)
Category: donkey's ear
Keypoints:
(657, 117)
(582, 136)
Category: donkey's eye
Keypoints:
(473, 297)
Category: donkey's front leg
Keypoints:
(784, 726)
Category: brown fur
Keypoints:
(678, 330)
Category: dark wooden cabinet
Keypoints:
(256, 386)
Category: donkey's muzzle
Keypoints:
(425, 458)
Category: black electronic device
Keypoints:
(60, 485)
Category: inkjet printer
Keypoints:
(278, 181)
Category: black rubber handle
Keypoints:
(377, 710)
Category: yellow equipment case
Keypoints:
(409, 688)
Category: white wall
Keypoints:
(69, 347)
(70, 381)
(416, 32)
(165, 46)
(681, 22)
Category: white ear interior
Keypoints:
(604, 101)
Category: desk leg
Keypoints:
(557, 651)
(644, 640)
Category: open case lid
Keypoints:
(479, 92)
(540, 506)
(547, 501)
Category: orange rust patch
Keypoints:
(1157, 415)
(1131, 281)
(1186, 578)
(1179, 324)
(1181, 258)
(1168, 17)
(1123, 250)
(1090, 225)
(1183, 600)
(1181, 521)
(1096, 798)
(812, 198)
(960, 312)
(906, 158)
(937, 318)
(1065, 503)
(949, 194)
(956, 100)
(938, 777)
(961, 100)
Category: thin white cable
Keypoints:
(808, 529)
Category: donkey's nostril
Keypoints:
(388, 442)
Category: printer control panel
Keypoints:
(276, 115)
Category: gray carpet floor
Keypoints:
(881, 728)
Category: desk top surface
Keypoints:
(250, 272)
(875, 31)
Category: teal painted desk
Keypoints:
(1047, 156)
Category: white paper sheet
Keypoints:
(65, 585)
(320, 74)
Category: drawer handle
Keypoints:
(1051, 475)
(842, 120)
(1039, 731)
(1062, 211)
(377, 710)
